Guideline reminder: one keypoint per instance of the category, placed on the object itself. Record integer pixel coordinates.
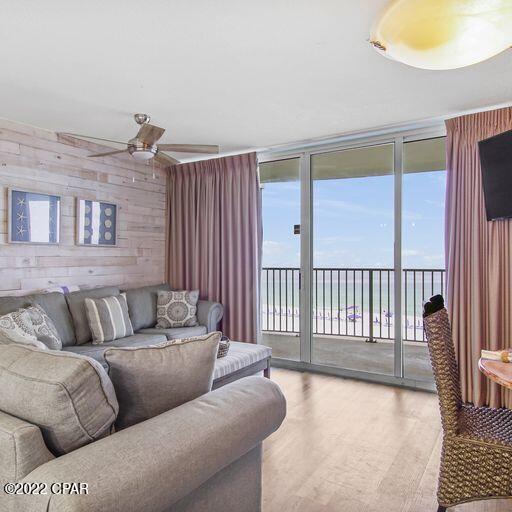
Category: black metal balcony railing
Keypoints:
(355, 302)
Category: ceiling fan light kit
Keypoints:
(140, 151)
(143, 147)
(443, 34)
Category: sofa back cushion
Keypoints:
(68, 396)
(76, 304)
(142, 305)
(55, 306)
(10, 304)
(151, 380)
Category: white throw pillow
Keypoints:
(17, 327)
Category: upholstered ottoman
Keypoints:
(243, 359)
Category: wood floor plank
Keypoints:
(355, 446)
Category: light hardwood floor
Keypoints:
(355, 446)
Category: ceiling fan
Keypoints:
(143, 146)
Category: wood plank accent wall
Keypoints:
(39, 160)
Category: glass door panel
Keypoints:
(423, 196)
(280, 308)
(353, 259)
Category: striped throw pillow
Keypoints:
(108, 318)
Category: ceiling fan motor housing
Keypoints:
(141, 118)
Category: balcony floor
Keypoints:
(354, 354)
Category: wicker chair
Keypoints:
(476, 460)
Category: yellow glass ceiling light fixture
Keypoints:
(443, 34)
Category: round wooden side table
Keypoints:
(497, 371)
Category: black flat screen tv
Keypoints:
(496, 163)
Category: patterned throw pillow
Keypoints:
(108, 318)
(16, 327)
(44, 328)
(177, 309)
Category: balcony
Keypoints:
(351, 306)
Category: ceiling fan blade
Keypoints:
(190, 148)
(89, 137)
(166, 159)
(108, 153)
(149, 133)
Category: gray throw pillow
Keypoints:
(177, 309)
(17, 327)
(151, 380)
(44, 328)
(108, 318)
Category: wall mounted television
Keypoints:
(496, 164)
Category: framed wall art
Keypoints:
(96, 223)
(33, 217)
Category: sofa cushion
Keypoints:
(10, 304)
(76, 304)
(97, 351)
(240, 356)
(44, 328)
(55, 306)
(57, 309)
(177, 333)
(69, 397)
(142, 305)
(22, 449)
(108, 318)
(178, 370)
(177, 309)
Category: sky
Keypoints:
(353, 222)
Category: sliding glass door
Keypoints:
(280, 280)
(423, 194)
(353, 245)
(353, 259)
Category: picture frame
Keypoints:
(96, 223)
(33, 217)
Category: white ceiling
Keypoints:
(240, 73)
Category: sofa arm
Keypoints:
(209, 314)
(152, 465)
(22, 449)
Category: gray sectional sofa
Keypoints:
(68, 314)
(204, 455)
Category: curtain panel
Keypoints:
(478, 258)
(215, 237)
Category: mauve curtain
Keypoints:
(215, 237)
(478, 258)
